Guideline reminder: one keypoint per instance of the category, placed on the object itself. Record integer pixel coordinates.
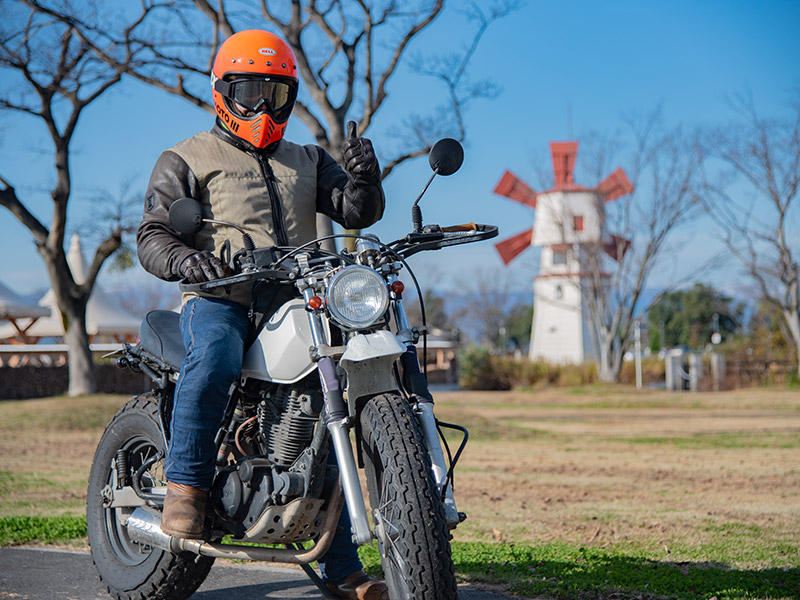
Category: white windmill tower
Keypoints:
(569, 220)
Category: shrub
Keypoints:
(653, 370)
(477, 370)
(480, 370)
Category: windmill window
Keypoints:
(559, 257)
(577, 222)
(559, 292)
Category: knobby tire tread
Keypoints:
(174, 576)
(391, 429)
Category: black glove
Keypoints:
(202, 266)
(359, 158)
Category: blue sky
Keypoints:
(600, 59)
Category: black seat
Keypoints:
(160, 335)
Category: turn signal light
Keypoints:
(315, 303)
(397, 287)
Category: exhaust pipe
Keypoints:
(144, 527)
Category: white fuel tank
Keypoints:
(280, 353)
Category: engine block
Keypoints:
(286, 420)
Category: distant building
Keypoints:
(569, 224)
(105, 320)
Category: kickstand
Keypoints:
(312, 575)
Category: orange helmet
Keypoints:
(254, 83)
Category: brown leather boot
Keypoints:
(359, 586)
(184, 511)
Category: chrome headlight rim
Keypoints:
(380, 298)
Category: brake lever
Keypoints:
(225, 254)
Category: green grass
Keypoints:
(568, 571)
(492, 430)
(708, 441)
(46, 530)
(554, 570)
(22, 481)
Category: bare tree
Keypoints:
(348, 52)
(486, 308)
(59, 78)
(756, 204)
(665, 168)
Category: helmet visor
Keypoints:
(262, 94)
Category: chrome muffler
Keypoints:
(144, 527)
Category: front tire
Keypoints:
(131, 570)
(413, 539)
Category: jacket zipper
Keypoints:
(275, 203)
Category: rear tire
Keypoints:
(130, 570)
(413, 539)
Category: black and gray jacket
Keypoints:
(274, 194)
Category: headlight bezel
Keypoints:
(339, 313)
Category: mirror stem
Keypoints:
(416, 211)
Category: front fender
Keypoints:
(368, 361)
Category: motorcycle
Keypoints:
(333, 354)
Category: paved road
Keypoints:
(43, 574)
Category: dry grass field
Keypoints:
(672, 476)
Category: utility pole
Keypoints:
(638, 353)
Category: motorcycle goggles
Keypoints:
(273, 95)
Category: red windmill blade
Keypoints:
(617, 247)
(612, 187)
(563, 155)
(513, 188)
(512, 247)
(615, 186)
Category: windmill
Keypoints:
(569, 219)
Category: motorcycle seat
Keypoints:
(160, 335)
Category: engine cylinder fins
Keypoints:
(285, 425)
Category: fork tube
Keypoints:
(352, 487)
(414, 380)
(337, 422)
(314, 320)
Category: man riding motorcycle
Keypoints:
(244, 171)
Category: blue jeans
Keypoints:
(214, 334)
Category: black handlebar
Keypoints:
(432, 237)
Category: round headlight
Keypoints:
(357, 297)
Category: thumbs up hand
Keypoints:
(359, 157)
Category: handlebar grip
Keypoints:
(464, 227)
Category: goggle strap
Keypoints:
(223, 87)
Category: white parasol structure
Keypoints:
(104, 317)
(19, 312)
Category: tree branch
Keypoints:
(9, 199)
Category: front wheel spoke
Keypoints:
(391, 531)
(391, 535)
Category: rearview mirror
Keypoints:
(446, 156)
(186, 215)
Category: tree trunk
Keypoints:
(793, 324)
(79, 357)
(604, 370)
(325, 227)
(81, 366)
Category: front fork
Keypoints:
(430, 432)
(338, 423)
(417, 384)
